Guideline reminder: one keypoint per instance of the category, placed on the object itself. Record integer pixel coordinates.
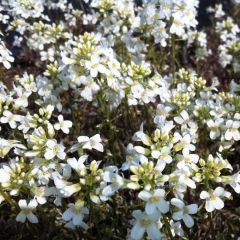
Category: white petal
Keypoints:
(68, 123)
(228, 135)
(109, 190)
(96, 138)
(144, 195)
(150, 208)
(159, 193)
(192, 208)
(177, 215)
(32, 204)
(218, 203)
(188, 220)
(163, 206)
(32, 218)
(77, 219)
(155, 154)
(209, 206)
(12, 124)
(137, 232)
(178, 120)
(177, 202)
(51, 143)
(83, 139)
(190, 183)
(22, 203)
(57, 126)
(218, 191)
(65, 130)
(61, 155)
(204, 195)
(21, 217)
(98, 147)
(49, 154)
(153, 232)
(108, 176)
(60, 118)
(184, 115)
(67, 215)
(4, 176)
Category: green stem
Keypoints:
(168, 227)
(173, 56)
(8, 199)
(110, 128)
(212, 229)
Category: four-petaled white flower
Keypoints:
(183, 212)
(5, 56)
(10, 118)
(154, 201)
(214, 127)
(78, 165)
(54, 149)
(111, 176)
(64, 125)
(75, 213)
(213, 198)
(26, 211)
(183, 143)
(91, 143)
(183, 119)
(185, 178)
(95, 66)
(234, 182)
(146, 223)
(5, 174)
(187, 161)
(232, 130)
(163, 156)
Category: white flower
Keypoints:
(184, 178)
(214, 128)
(232, 130)
(64, 125)
(160, 34)
(163, 110)
(26, 211)
(10, 118)
(78, 165)
(154, 201)
(176, 228)
(95, 67)
(183, 119)
(54, 149)
(177, 26)
(5, 174)
(213, 198)
(65, 188)
(234, 182)
(187, 160)
(145, 223)
(5, 56)
(111, 176)
(183, 143)
(75, 213)
(184, 212)
(91, 143)
(163, 157)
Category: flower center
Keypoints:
(153, 199)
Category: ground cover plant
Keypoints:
(119, 119)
